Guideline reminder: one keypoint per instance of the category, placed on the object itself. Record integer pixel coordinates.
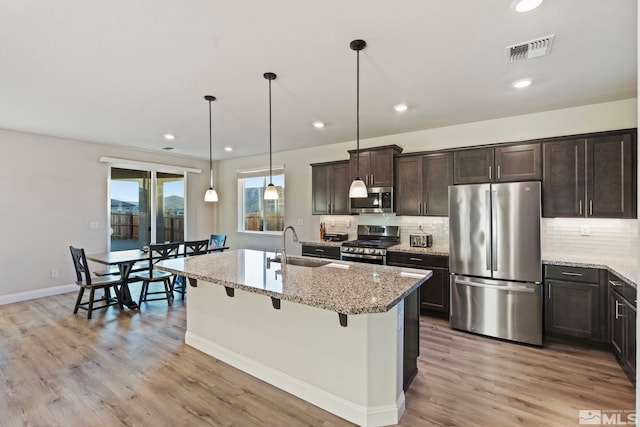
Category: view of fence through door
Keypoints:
(132, 221)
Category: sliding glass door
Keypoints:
(146, 207)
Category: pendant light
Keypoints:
(211, 195)
(270, 193)
(358, 189)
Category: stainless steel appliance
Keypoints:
(378, 200)
(372, 244)
(494, 260)
(420, 240)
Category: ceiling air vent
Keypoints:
(531, 49)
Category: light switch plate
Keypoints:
(93, 225)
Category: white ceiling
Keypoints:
(125, 72)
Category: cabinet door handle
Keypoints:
(549, 291)
(580, 207)
(498, 171)
(419, 207)
(319, 250)
(566, 273)
(371, 179)
(415, 259)
(591, 207)
(425, 207)
(489, 173)
(618, 305)
(615, 283)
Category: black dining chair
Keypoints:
(158, 252)
(106, 283)
(217, 241)
(190, 248)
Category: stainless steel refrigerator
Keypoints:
(494, 260)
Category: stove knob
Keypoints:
(361, 250)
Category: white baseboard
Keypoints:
(37, 293)
(358, 414)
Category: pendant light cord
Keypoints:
(210, 149)
(270, 163)
(358, 114)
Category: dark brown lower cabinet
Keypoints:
(622, 324)
(411, 349)
(434, 294)
(575, 304)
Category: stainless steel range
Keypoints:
(371, 246)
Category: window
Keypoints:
(255, 213)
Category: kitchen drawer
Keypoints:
(417, 260)
(624, 289)
(331, 252)
(574, 274)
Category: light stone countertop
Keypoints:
(433, 250)
(625, 269)
(321, 243)
(341, 286)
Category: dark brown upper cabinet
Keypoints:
(376, 165)
(422, 184)
(592, 177)
(330, 188)
(520, 162)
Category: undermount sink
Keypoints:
(303, 262)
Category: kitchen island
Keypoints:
(332, 335)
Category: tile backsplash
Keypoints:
(593, 238)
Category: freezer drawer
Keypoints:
(497, 308)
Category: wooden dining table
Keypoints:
(122, 258)
(130, 256)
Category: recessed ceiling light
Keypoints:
(521, 84)
(228, 149)
(525, 5)
(318, 125)
(169, 137)
(400, 108)
(168, 148)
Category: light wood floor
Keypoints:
(133, 369)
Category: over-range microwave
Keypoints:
(378, 200)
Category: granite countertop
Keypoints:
(321, 243)
(340, 286)
(626, 270)
(433, 250)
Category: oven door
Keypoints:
(369, 259)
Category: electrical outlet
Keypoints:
(585, 230)
(93, 225)
(54, 273)
(300, 221)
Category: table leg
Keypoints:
(125, 294)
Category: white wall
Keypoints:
(589, 118)
(51, 188)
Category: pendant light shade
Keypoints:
(270, 192)
(211, 195)
(358, 189)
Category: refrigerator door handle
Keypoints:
(525, 289)
(488, 232)
(494, 231)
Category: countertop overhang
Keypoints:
(340, 286)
